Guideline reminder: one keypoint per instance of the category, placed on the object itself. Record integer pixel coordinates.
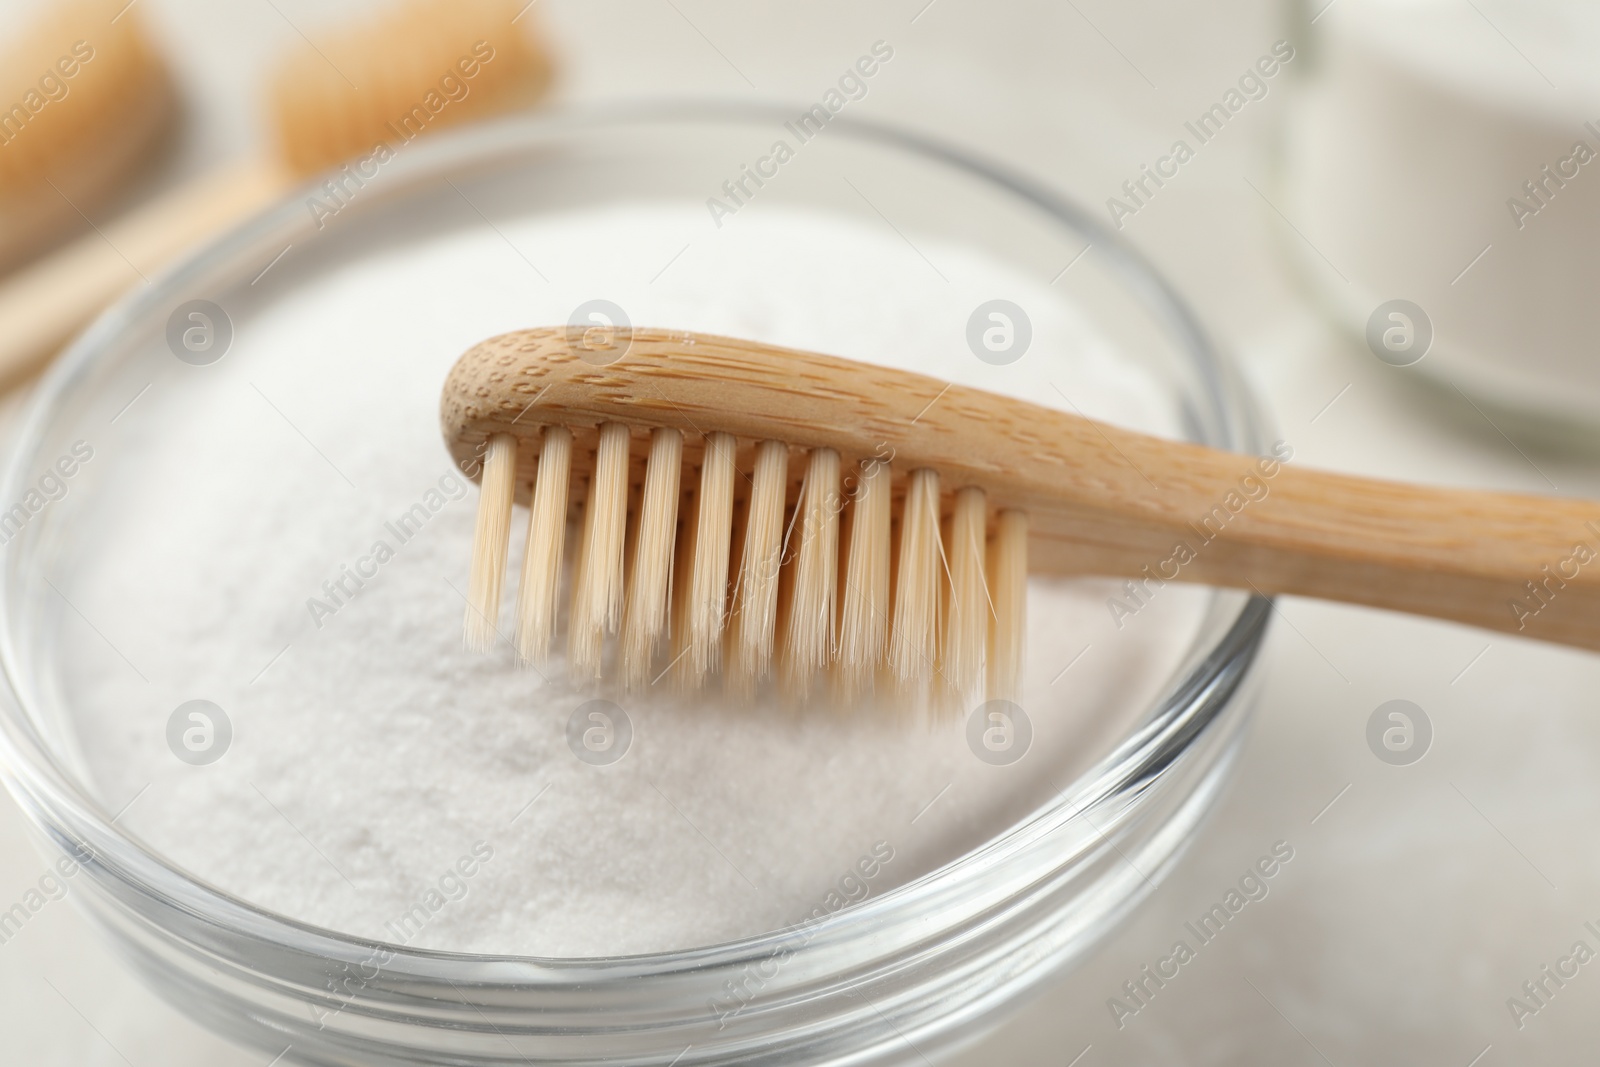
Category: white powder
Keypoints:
(371, 754)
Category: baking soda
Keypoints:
(284, 537)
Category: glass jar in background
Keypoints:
(1442, 166)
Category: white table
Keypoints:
(1423, 897)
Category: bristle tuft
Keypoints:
(913, 636)
(644, 622)
(384, 81)
(491, 541)
(597, 588)
(755, 611)
(547, 534)
(62, 162)
(900, 601)
(705, 599)
(967, 608)
(864, 606)
(1008, 584)
(810, 614)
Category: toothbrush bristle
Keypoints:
(708, 542)
(809, 617)
(913, 629)
(755, 606)
(597, 586)
(547, 534)
(864, 603)
(644, 621)
(836, 583)
(492, 541)
(967, 607)
(370, 83)
(1008, 586)
(110, 99)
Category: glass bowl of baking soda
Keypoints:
(238, 708)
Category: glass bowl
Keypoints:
(888, 979)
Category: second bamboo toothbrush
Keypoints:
(428, 64)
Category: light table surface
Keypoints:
(1419, 897)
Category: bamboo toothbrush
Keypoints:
(886, 521)
(426, 64)
(84, 98)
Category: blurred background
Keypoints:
(1426, 159)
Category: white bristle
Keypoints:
(491, 541)
(1008, 584)
(755, 612)
(547, 534)
(597, 588)
(864, 607)
(683, 571)
(809, 617)
(913, 635)
(644, 622)
(967, 608)
(705, 598)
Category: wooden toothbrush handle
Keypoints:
(1101, 500)
(1519, 564)
(44, 304)
(1152, 510)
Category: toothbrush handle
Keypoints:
(1514, 563)
(1101, 500)
(44, 304)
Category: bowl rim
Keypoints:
(79, 824)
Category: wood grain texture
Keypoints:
(1101, 500)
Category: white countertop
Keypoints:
(1419, 897)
